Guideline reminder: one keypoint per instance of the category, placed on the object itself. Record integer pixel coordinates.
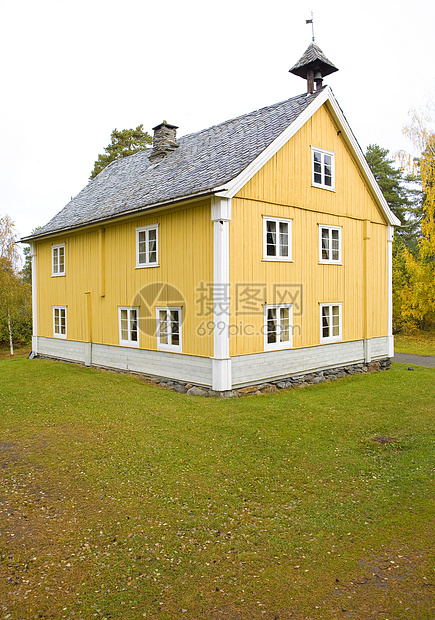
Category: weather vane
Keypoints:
(311, 21)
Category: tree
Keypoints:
(403, 198)
(27, 269)
(14, 291)
(123, 143)
(418, 294)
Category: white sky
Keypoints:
(73, 70)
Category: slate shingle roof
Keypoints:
(313, 58)
(204, 161)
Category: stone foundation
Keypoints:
(297, 381)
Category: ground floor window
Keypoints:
(128, 327)
(330, 322)
(278, 328)
(169, 329)
(59, 321)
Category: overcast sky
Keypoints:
(73, 70)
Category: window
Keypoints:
(323, 168)
(128, 327)
(59, 321)
(277, 239)
(169, 329)
(58, 259)
(330, 244)
(147, 246)
(330, 322)
(278, 328)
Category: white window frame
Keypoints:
(286, 344)
(322, 184)
(56, 263)
(330, 260)
(279, 256)
(128, 342)
(58, 334)
(147, 263)
(331, 337)
(169, 346)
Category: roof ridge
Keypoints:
(267, 107)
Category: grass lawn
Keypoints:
(418, 343)
(122, 500)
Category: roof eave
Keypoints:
(118, 216)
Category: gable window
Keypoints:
(58, 260)
(278, 328)
(169, 329)
(59, 321)
(330, 244)
(330, 322)
(147, 246)
(128, 327)
(277, 239)
(323, 168)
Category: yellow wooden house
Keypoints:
(256, 249)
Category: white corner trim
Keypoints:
(221, 374)
(220, 209)
(221, 364)
(34, 300)
(390, 237)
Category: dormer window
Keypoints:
(323, 169)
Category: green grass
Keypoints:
(123, 500)
(418, 343)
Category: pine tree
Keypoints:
(404, 199)
(122, 143)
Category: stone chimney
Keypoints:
(164, 141)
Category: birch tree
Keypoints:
(14, 292)
(418, 293)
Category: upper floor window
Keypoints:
(330, 244)
(59, 321)
(278, 328)
(128, 327)
(58, 259)
(147, 246)
(322, 168)
(169, 329)
(277, 239)
(330, 322)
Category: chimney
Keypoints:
(164, 141)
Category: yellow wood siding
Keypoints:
(104, 261)
(282, 188)
(286, 178)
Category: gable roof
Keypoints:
(220, 159)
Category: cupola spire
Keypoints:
(313, 66)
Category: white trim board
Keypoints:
(229, 190)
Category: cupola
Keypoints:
(313, 66)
